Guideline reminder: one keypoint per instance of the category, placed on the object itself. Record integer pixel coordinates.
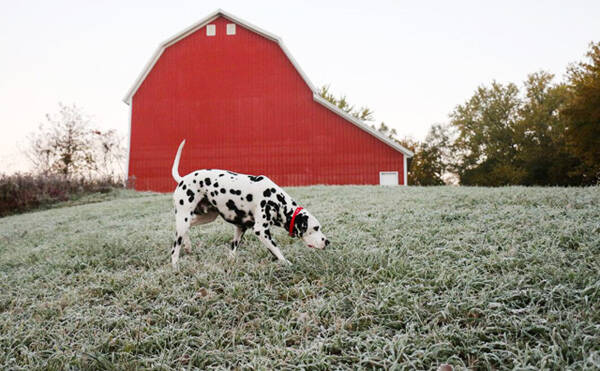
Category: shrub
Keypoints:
(22, 192)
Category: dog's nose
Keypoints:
(326, 242)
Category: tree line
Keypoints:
(544, 132)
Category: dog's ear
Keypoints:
(301, 223)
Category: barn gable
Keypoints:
(316, 97)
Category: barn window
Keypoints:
(211, 30)
(230, 28)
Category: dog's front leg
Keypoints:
(264, 235)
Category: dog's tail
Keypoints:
(175, 169)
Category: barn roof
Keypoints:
(316, 97)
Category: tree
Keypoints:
(429, 165)
(541, 134)
(109, 153)
(67, 145)
(362, 113)
(486, 130)
(583, 115)
(63, 143)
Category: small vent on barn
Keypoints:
(211, 30)
(230, 28)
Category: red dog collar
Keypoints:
(294, 218)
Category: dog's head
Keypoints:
(308, 228)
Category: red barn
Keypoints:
(242, 102)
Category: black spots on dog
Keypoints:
(201, 183)
(184, 187)
(294, 203)
(195, 174)
(265, 225)
(172, 251)
(281, 199)
(194, 180)
(179, 240)
(207, 181)
(268, 234)
(231, 205)
(273, 190)
(214, 202)
(256, 178)
(180, 183)
(216, 184)
(174, 243)
(181, 202)
(235, 192)
(232, 173)
(186, 219)
(257, 233)
(249, 197)
(316, 228)
(223, 190)
(271, 208)
(263, 203)
(220, 175)
(267, 193)
(190, 194)
(239, 214)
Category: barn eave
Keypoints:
(316, 97)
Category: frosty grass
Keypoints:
(415, 277)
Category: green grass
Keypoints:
(415, 277)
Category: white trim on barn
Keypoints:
(405, 172)
(316, 97)
(128, 143)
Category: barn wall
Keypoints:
(242, 106)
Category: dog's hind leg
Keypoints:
(182, 225)
(238, 232)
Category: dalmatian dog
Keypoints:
(246, 201)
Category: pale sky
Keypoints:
(411, 62)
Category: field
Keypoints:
(415, 277)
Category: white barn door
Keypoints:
(388, 178)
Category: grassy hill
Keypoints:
(415, 277)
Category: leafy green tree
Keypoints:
(541, 134)
(583, 115)
(429, 165)
(485, 146)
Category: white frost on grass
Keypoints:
(414, 278)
